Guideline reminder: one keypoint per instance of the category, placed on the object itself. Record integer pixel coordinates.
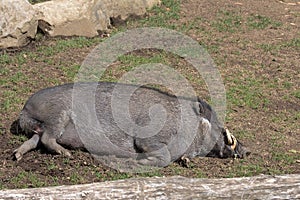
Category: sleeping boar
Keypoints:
(152, 127)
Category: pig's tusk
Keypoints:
(233, 146)
(229, 139)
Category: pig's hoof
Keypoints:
(65, 153)
(148, 161)
(17, 155)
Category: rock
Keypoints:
(86, 18)
(18, 23)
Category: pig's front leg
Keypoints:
(26, 146)
(51, 144)
(152, 152)
(157, 158)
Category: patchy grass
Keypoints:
(262, 22)
(61, 45)
(259, 66)
(70, 71)
(228, 22)
(247, 92)
(295, 42)
(27, 180)
(162, 16)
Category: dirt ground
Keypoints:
(255, 45)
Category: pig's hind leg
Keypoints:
(26, 146)
(70, 138)
(51, 144)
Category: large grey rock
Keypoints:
(86, 18)
(18, 23)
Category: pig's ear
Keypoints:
(199, 107)
(196, 108)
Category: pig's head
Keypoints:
(227, 146)
(29, 124)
